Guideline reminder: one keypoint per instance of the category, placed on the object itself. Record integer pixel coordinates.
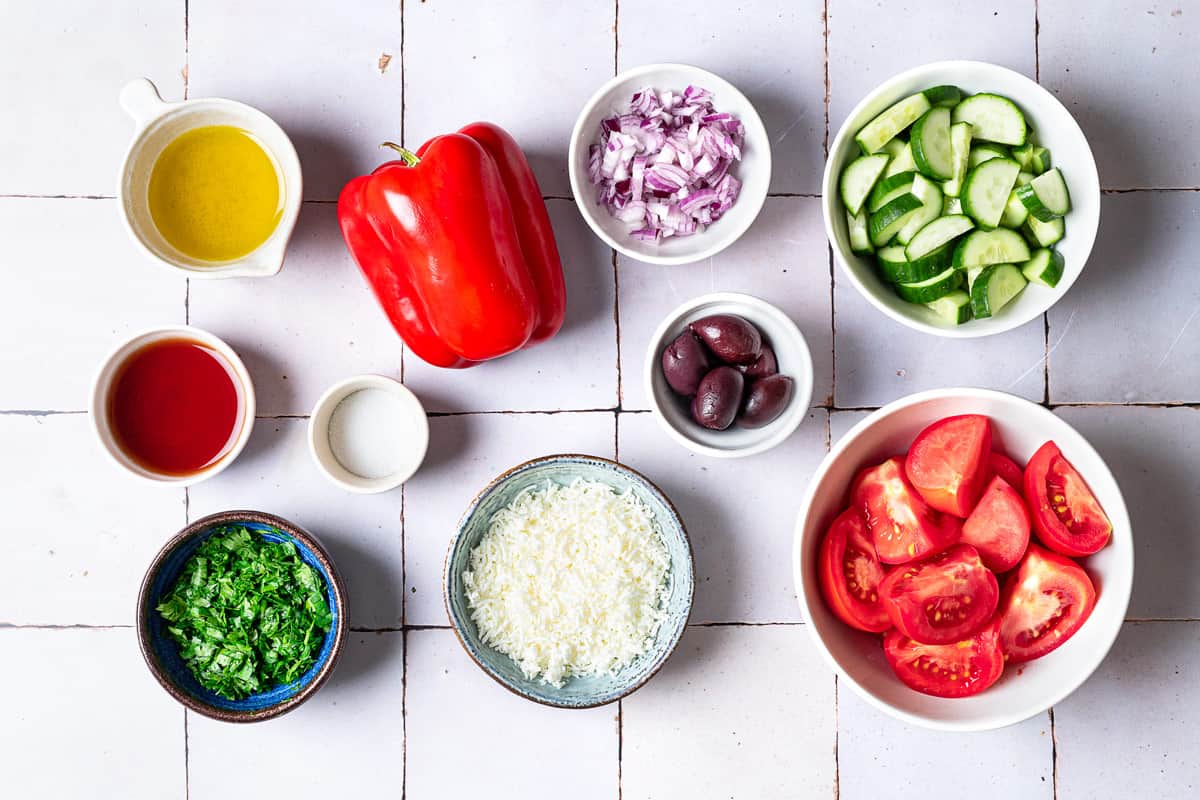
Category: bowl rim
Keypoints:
(1119, 516)
(102, 384)
(198, 527)
(830, 197)
(579, 187)
(457, 538)
(650, 363)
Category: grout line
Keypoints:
(1132, 189)
(1037, 53)
(616, 36)
(1053, 754)
(187, 506)
(825, 39)
(404, 716)
(829, 247)
(744, 624)
(403, 77)
(58, 196)
(1046, 359)
(814, 195)
(187, 758)
(187, 47)
(617, 323)
(617, 436)
(403, 559)
(32, 412)
(837, 758)
(435, 414)
(620, 746)
(37, 626)
(187, 301)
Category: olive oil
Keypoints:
(215, 193)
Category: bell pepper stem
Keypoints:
(409, 158)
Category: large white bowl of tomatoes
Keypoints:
(964, 559)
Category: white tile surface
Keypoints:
(469, 737)
(741, 712)
(879, 755)
(83, 718)
(301, 331)
(79, 532)
(840, 423)
(1115, 69)
(577, 369)
(345, 741)
(870, 42)
(1153, 453)
(67, 268)
(527, 65)
(787, 89)
(1130, 730)
(314, 69)
(275, 473)
(784, 260)
(61, 71)
(740, 515)
(879, 360)
(465, 453)
(1147, 348)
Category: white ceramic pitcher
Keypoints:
(158, 123)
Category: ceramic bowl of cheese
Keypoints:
(578, 691)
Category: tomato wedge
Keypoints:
(1067, 517)
(903, 525)
(1045, 602)
(960, 669)
(999, 526)
(948, 462)
(1008, 469)
(850, 573)
(943, 599)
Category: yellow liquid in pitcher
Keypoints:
(215, 193)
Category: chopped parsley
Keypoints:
(248, 614)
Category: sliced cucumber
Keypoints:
(888, 189)
(995, 288)
(986, 189)
(884, 127)
(982, 248)
(858, 178)
(940, 231)
(1015, 212)
(972, 274)
(887, 221)
(945, 96)
(1023, 155)
(930, 195)
(930, 143)
(1046, 196)
(951, 309)
(929, 290)
(982, 151)
(1024, 178)
(960, 145)
(1045, 267)
(856, 226)
(1040, 161)
(951, 206)
(894, 147)
(901, 162)
(996, 118)
(1044, 234)
(896, 267)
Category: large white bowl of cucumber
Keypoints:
(961, 198)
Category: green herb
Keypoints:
(248, 614)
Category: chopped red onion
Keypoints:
(662, 165)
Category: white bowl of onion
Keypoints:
(663, 234)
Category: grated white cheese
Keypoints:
(569, 580)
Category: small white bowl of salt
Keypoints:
(368, 434)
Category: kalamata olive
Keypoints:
(766, 400)
(763, 366)
(718, 398)
(684, 363)
(730, 338)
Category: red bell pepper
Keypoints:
(457, 246)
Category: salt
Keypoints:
(369, 432)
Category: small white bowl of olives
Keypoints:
(728, 375)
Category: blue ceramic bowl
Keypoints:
(579, 691)
(162, 654)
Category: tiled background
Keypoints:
(745, 708)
